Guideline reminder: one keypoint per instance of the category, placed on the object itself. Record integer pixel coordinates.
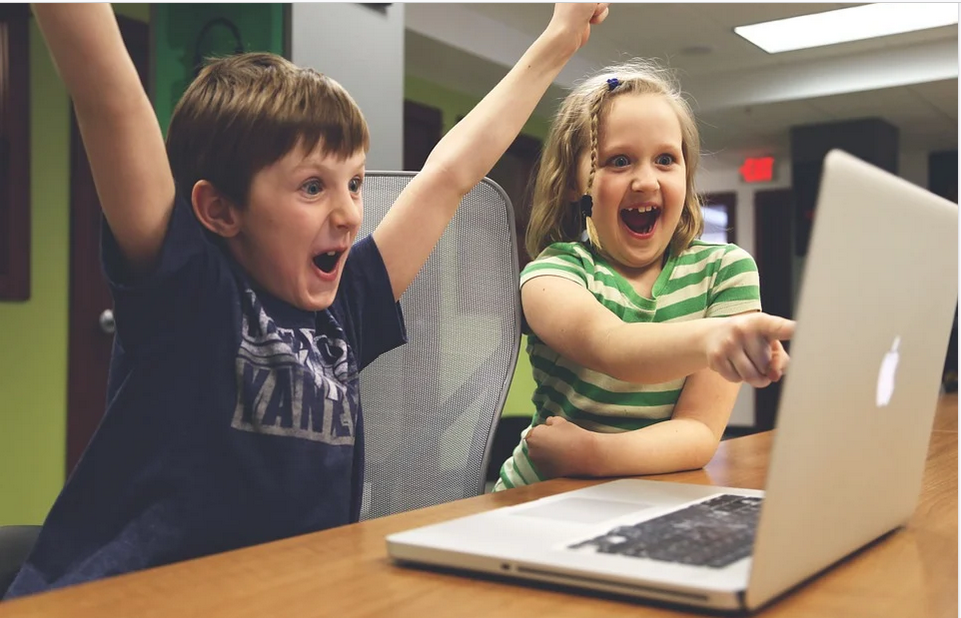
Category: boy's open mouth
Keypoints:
(641, 219)
(327, 262)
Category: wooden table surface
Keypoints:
(346, 572)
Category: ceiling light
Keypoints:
(850, 24)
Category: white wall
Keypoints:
(716, 175)
(363, 49)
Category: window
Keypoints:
(719, 210)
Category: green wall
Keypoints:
(452, 105)
(33, 367)
(139, 11)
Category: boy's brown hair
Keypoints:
(243, 113)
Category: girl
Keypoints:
(641, 334)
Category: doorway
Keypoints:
(422, 130)
(514, 172)
(773, 214)
(90, 336)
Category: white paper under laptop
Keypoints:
(874, 317)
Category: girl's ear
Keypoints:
(214, 210)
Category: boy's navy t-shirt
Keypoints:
(233, 418)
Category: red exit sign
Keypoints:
(757, 169)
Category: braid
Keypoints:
(595, 114)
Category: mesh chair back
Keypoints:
(431, 406)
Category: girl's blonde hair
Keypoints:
(574, 134)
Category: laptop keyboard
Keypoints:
(713, 533)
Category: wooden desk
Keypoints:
(346, 572)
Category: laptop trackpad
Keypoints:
(581, 510)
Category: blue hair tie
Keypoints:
(612, 83)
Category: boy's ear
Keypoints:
(214, 210)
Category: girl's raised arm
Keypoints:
(468, 151)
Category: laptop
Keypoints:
(874, 317)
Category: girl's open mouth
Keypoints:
(641, 219)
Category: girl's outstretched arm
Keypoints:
(571, 322)
(468, 151)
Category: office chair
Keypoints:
(431, 406)
(15, 545)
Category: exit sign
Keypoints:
(757, 169)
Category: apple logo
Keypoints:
(886, 376)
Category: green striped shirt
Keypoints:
(705, 280)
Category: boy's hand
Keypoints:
(578, 19)
(747, 348)
(559, 448)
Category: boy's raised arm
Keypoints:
(468, 151)
(120, 130)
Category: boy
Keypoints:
(244, 309)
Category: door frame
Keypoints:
(88, 347)
(774, 255)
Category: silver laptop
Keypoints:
(874, 317)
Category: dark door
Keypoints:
(514, 173)
(91, 334)
(773, 215)
(422, 129)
